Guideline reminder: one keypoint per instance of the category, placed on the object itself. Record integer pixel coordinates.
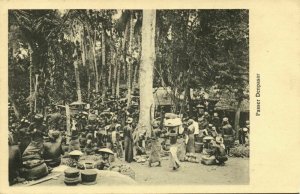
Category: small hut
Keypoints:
(163, 98)
(228, 106)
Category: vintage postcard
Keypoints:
(150, 97)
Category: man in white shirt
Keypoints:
(197, 131)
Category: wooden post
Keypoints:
(68, 119)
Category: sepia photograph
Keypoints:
(128, 97)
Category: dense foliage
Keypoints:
(95, 52)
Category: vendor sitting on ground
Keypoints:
(214, 152)
(53, 149)
(34, 166)
(15, 160)
(140, 145)
(208, 157)
(73, 161)
(220, 152)
(104, 162)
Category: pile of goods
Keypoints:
(240, 151)
(190, 157)
(124, 169)
(34, 169)
(141, 158)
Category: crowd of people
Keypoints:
(38, 142)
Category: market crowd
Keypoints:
(37, 143)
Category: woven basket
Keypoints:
(198, 147)
(36, 172)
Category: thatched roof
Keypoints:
(162, 96)
(231, 105)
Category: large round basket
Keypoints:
(198, 147)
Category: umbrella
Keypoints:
(106, 150)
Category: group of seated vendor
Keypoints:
(34, 152)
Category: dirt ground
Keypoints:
(235, 172)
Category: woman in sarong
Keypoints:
(190, 147)
(128, 141)
(155, 152)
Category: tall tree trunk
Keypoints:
(146, 71)
(188, 95)
(109, 73)
(134, 81)
(114, 66)
(103, 63)
(237, 118)
(122, 64)
(68, 122)
(36, 92)
(129, 63)
(78, 89)
(84, 59)
(93, 42)
(118, 66)
(16, 109)
(64, 86)
(30, 78)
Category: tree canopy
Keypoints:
(193, 49)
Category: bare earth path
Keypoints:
(236, 171)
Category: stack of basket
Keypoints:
(72, 176)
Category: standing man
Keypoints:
(196, 131)
(228, 135)
(216, 122)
